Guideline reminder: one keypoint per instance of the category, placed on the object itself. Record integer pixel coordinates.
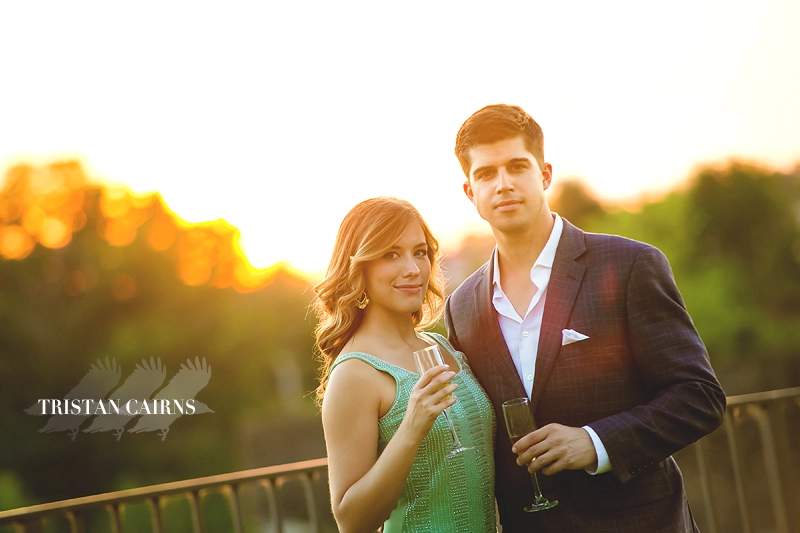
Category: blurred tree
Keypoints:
(732, 240)
(91, 272)
(573, 200)
(748, 216)
(11, 491)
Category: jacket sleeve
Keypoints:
(686, 400)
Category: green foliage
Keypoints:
(732, 239)
(575, 202)
(11, 491)
(52, 330)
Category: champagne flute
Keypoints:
(428, 358)
(519, 422)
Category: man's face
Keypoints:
(507, 186)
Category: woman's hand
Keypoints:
(430, 396)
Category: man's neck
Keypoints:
(518, 251)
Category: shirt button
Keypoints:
(530, 377)
(524, 333)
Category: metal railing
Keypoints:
(270, 481)
(741, 478)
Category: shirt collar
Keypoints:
(546, 257)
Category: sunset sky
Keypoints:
(280, 116)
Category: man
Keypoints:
(593, 330)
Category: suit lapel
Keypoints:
(565, 280)
(492, 336)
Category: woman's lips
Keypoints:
(411, 289)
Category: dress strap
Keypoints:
(371, 360)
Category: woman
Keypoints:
(386, 441)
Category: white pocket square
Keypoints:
(568, 336)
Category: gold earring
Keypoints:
(362, 302)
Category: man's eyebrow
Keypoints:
(481, 169)
(509, 162)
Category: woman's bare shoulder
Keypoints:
(352, 382)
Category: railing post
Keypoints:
(232, 495)
(311, 502)
(785, 420)
(737, 468)
(113, 515)
(771, 467)
(705, 485)
(276, 518)
(194, 508)
(155, 515)
(20, 527)
(76, 524)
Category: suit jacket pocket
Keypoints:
(604, 492)
(593, 343)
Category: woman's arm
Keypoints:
(364, 487)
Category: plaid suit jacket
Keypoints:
(642, 381)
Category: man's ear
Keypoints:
(468, 192)
(547, 175)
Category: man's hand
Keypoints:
(554, 448)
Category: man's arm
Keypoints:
(687, 401)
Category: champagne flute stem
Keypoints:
(456, 442)
(537, 492)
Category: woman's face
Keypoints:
(398, 281)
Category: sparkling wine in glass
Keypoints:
(428, 358)
(519, 422)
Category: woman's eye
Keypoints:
(421, 253)
(391, 255)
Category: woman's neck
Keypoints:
(397, 325)
(390, 331)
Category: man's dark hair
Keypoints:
(496, 123)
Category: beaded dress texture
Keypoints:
(443, 495)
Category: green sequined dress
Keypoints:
(443, 495)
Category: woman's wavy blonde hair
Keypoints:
(367, 232)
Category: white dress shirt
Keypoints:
(522, 333)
